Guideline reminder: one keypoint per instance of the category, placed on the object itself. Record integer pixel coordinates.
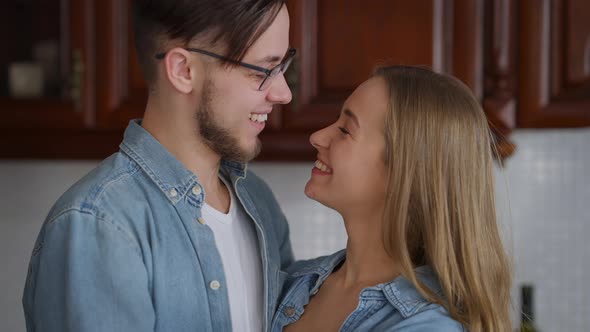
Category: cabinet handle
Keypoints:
(77, 79)
(292, 78)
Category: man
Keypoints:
(172, 233)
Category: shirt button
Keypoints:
(196, 190)
(289, 312)
(173, 192)
(214, 285)
(201, 220)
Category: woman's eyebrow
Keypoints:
(351, 115)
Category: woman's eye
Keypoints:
(344, 131)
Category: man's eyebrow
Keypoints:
(351, 115)
(269, 59)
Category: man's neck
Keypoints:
(181, 138)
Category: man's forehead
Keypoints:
(265, 56)
(272, 45)
(269, 59)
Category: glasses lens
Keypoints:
(287, 64)
(265, 83)
(281, 68)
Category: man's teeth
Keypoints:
(322, 167)
(258, 117)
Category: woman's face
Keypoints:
(350, 172)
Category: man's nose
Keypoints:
(279, 91)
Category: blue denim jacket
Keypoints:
(392, 306)
(123, 249)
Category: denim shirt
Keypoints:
(392, 306)
(126, 249)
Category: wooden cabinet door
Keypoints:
(340, 42)
(554, 63)
(56, 37)
(121, 89)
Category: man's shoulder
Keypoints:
(104, 184)
(255, 182)
(258, 190)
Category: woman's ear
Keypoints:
(178, 70)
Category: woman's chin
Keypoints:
(309, 192)
(312, 192)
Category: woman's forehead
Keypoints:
(369, 100)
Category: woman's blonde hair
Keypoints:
(440, 207)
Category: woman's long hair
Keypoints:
(440, 208)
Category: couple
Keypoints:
(173, 233)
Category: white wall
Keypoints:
(546, 226)
(549, 190)
(27, 191)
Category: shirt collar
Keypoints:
(399, 292)
(403, 295)
(167, 172)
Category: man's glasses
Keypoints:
(270, 73)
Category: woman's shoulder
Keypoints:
(417, 313)
(432, 317)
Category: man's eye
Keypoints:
(259, 76)
(344, 131)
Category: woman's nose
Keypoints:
(320, 139)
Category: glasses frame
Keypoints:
(270, 73)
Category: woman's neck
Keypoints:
(367, 262)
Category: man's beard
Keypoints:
(215, 136)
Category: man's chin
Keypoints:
(253, 151)
(248, 153)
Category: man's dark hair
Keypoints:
(233, 24)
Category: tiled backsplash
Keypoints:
(546, 222)
(548, 182)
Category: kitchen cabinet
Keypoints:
(340, 42)
(527, 61)
(47, 98)
(554, 89)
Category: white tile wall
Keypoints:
(548, 189)
(544, 212)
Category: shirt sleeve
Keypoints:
(287, 257)
(87, 274)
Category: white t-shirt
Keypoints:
(237, 243)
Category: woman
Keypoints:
(408, 165)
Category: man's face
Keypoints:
(232, 112)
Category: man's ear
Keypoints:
(178, 70)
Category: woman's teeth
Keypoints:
(258, 117)
(321, 166)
